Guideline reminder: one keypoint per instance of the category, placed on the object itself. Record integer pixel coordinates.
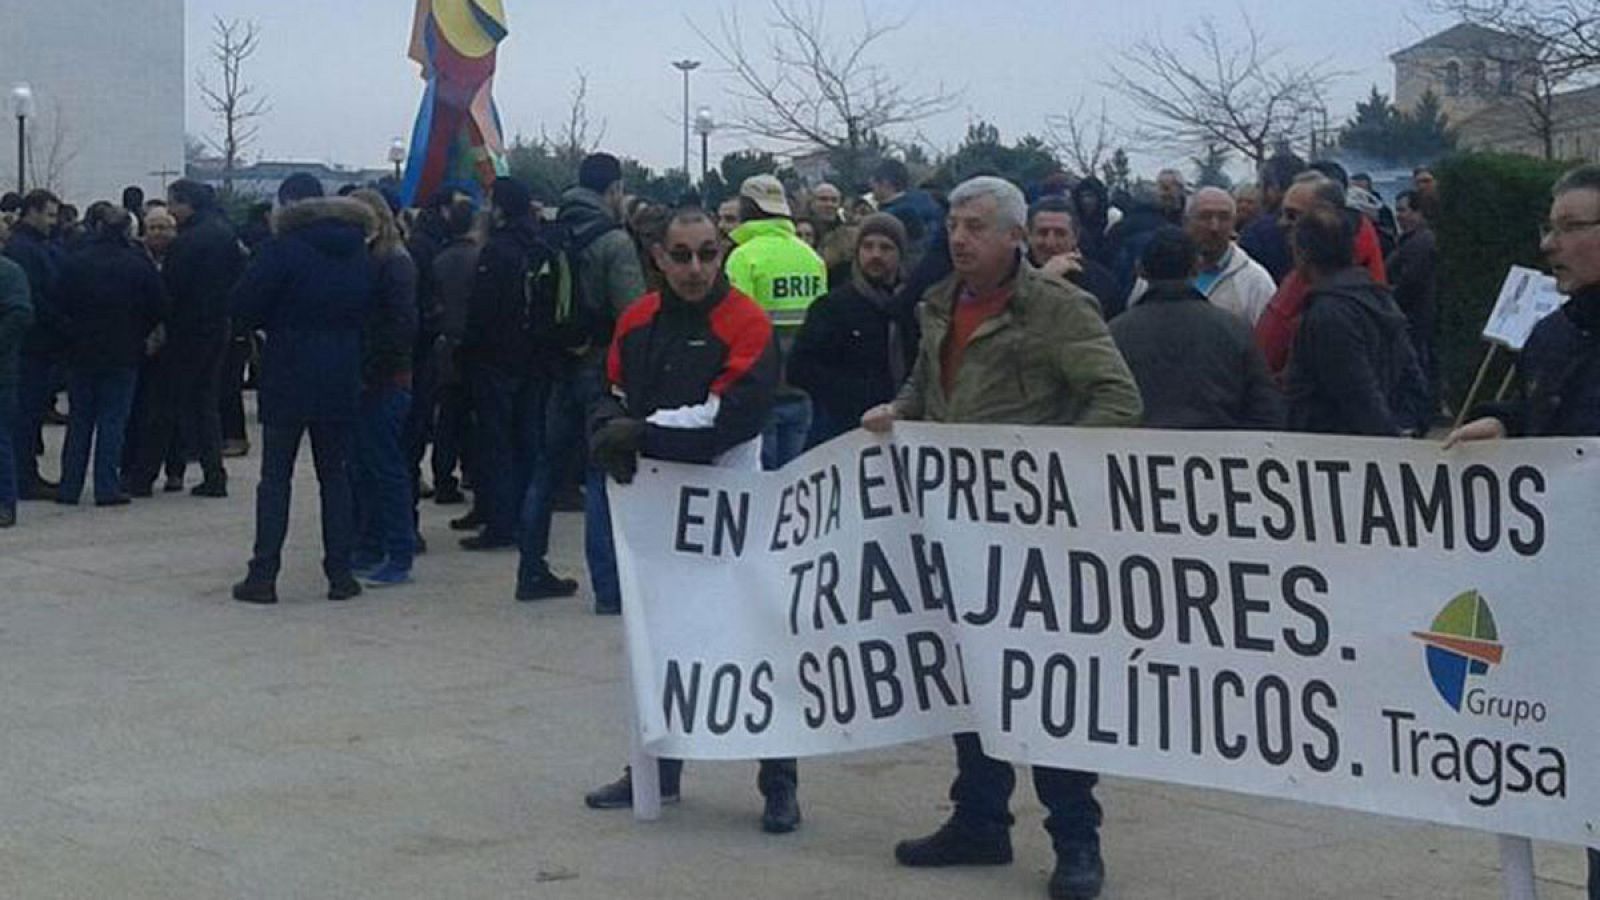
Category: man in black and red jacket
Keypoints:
(692, 373)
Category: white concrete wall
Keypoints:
(109, 77)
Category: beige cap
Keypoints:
(767, 193)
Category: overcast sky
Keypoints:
(341, 87)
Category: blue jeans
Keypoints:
(982, 796)
(784, 438)
(101, 402)
(8, 459)
(34, 386)
(559, 431)
(330, 449)
(598, 549)
(380, 480)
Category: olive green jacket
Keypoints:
(1048, 359)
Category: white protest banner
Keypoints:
(1371, 624)
(1526, 297)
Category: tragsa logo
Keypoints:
(1462, 644)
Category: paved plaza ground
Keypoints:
(161, 741)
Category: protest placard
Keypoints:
(1370, 624)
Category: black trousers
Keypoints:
(231, 390)
(183, 402)
(773, 775)
(982, 795)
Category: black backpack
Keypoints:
(556, 311)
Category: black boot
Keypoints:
(1080, 873)
(619, 794)
(472, 521)
(782, 813)
(262, 593)
(343, 587)
(956, 844)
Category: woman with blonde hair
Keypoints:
(385, 541)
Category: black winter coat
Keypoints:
(1198, 366)
(310, 290)
(496, 337)
(1558, 375)
(110, 298)
(40, 257)
(1413, 271)
(200, 270)
(673, 355)
(841, 357)
(391, 331)
(1348, 358)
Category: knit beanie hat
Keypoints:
(884, 225)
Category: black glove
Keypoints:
(615, 448)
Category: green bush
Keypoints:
(1490, 209)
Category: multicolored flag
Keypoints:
(458, 136)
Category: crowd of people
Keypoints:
(530, 353)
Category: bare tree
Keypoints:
(1239, 96)
(236, 103)
(1544, 49)
(1083, 142)
(575, 140)
(51, 154)
(810, 88)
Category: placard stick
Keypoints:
(646, 770)
(1516, 868)
(1477, 385)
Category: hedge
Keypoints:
(1490, 209)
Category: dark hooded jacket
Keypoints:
(1128, 240)
(1558, 375)
(1350, 355)
(1197, 365)
(1092, 238)
(310, 290)
(40, 258)
(16, 316)
(495, 337)
(200, 270)
(110, 298)
(392, 322)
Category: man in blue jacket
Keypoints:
(309, 290)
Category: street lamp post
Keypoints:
(686, 66)
(704, 124)
(22, 108)
(397, 156)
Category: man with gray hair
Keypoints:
(1227, 276)
(1005, 344)
(1276, 329)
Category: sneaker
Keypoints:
(235, 448)
(8, 516)
(362, 565)
(955, 845)
(173, 486)
(343, 588)
(484, 542)
(258, 592)
(210, 489)
(386, 576)
(619, 794)
(1080, 873)
(782, 812)
(548, 586)
(472, 521)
